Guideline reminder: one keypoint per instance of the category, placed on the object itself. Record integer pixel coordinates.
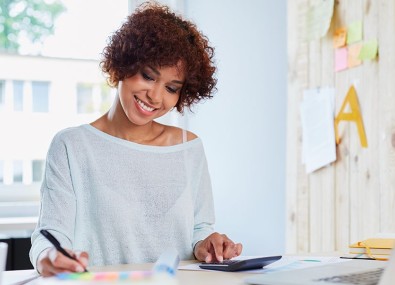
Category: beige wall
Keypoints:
(353, 198)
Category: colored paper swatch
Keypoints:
(340, 37)
(107, 276)
(369, 50)
(353, 59)
(341, 59)
(354, 32)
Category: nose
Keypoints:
(155, 95)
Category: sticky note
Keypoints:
(354, 32)
(340, 37)
(341, 59)
(369, 50)
(353, 55)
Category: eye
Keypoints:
(146, 76)
(172, 90)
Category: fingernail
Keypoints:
(79, 269)
(220, 258)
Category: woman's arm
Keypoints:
(208, 245)
(57, 212)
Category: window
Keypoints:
(107, 97)
(38, 170)
(18, 171)
(2, 95)
(84, 99)
(1, 171)
(49, 85)
(18, 95)
(40, 91)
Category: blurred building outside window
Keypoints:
(50, 79)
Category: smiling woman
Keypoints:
(149, 180)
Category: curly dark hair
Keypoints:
(155, 36)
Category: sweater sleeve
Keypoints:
(58, 203)
(204, 205)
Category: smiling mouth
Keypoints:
(144, 106)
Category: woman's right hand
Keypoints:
(51, 262)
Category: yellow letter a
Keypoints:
(355, 116)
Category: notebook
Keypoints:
(373, 246)
(361, 272)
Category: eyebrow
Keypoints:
(158, 73)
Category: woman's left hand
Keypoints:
(217, 247)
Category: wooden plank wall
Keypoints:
(353, 198)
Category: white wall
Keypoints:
(243, 126)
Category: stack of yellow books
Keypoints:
(377, 248)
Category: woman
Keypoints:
(125, 187)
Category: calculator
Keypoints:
(239, 265)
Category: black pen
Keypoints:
(56, 244)
(363, 258)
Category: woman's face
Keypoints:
(151, 93)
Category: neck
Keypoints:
(116, 123)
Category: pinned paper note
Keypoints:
(318, 18)
(341, 59)
(353, 55)
(355, 116)
(354, 32)
(369, 50)
(339, 39)
(317, 114)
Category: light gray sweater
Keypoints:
(123, 202)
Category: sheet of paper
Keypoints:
(285, 263)
(19, 276)
(354, 32)
(317, 116)
(318, 18)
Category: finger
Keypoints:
(83, 258)
(63, 263)
(217, 245)
(48, 269)
(229, 250)
(201, 251)
(209, 258)
(239, 249)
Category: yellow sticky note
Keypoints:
(354, 32)
(339, 38)
(353, 55)
(369, 50)
(353, 116)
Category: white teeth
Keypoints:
(143, 106)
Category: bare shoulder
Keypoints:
(175, 135)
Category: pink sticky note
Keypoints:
(340, 59)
